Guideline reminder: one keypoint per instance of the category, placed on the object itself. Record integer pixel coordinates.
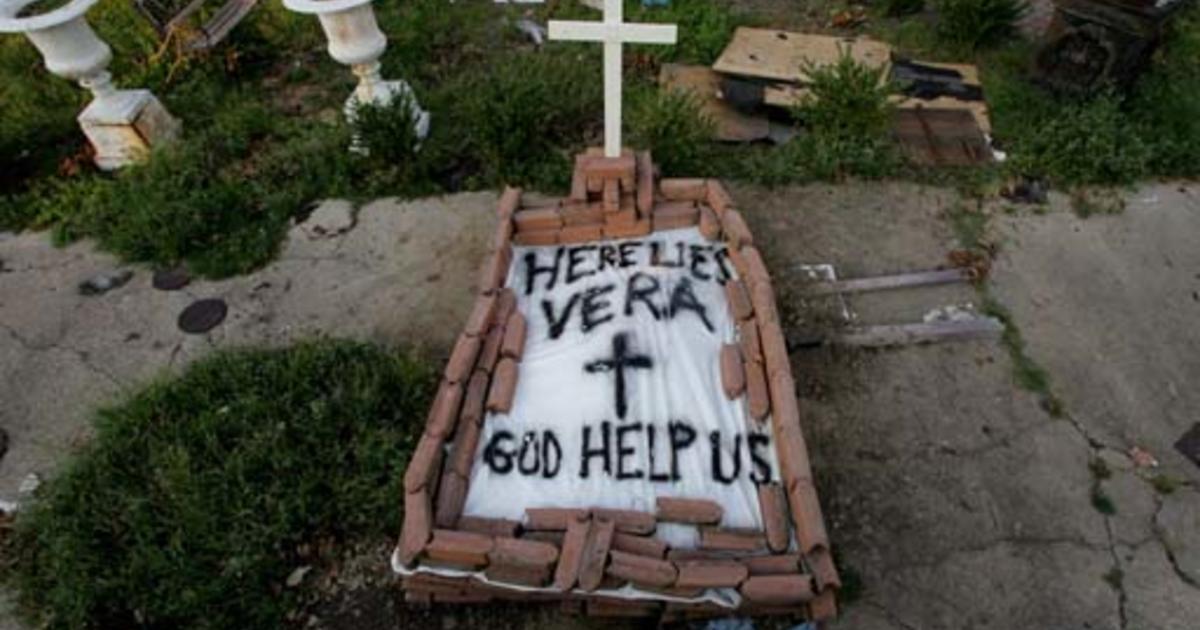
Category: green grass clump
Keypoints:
(193, 502)
(847, 119)
(897, 8)
(970, 25)
(220, 201)
(670, 124)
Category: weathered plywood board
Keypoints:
(783, 56)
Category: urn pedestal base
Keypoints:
(124, 125)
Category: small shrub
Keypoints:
(1086, 142)
(975, 24)
(671, 125)
(705, 28)
(847, 116)
(387, 133)
(191, 505)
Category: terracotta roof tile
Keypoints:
(714, 538)
(489, 526)
(782, 564)
(778, 590)
(459, 548)
(418, 526)
(595, 556)
(641, 545)
(772, 503)
(574, 546)
(718, 198)
(642, 570)
(739, 300)
(628, 521)
(451, 496)
(695, 511)
(552, 518)
(710, 225)
(462, 359)
(513, 345)
(424, 464)
(504, 387)
(712, 574)
(684, 189)
(523, 553)
(733, 371)
(645, 182)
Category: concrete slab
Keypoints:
(404, 273)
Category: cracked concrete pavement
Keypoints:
(955, 500)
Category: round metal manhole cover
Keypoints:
(171, 279)
(202, 316)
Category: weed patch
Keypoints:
(1102, 502)
(670, 124)
(970, 25)
(199, 495)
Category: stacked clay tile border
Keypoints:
(566, 555)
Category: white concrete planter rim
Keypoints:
(9, 23)
(319, 7)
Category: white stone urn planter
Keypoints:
(122, 125)
(356, 41)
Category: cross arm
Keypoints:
(629, 33)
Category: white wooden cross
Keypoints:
(614, 32)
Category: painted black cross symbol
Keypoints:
(620, 360)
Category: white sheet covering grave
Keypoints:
(674, 318)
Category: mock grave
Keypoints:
(616, 428)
